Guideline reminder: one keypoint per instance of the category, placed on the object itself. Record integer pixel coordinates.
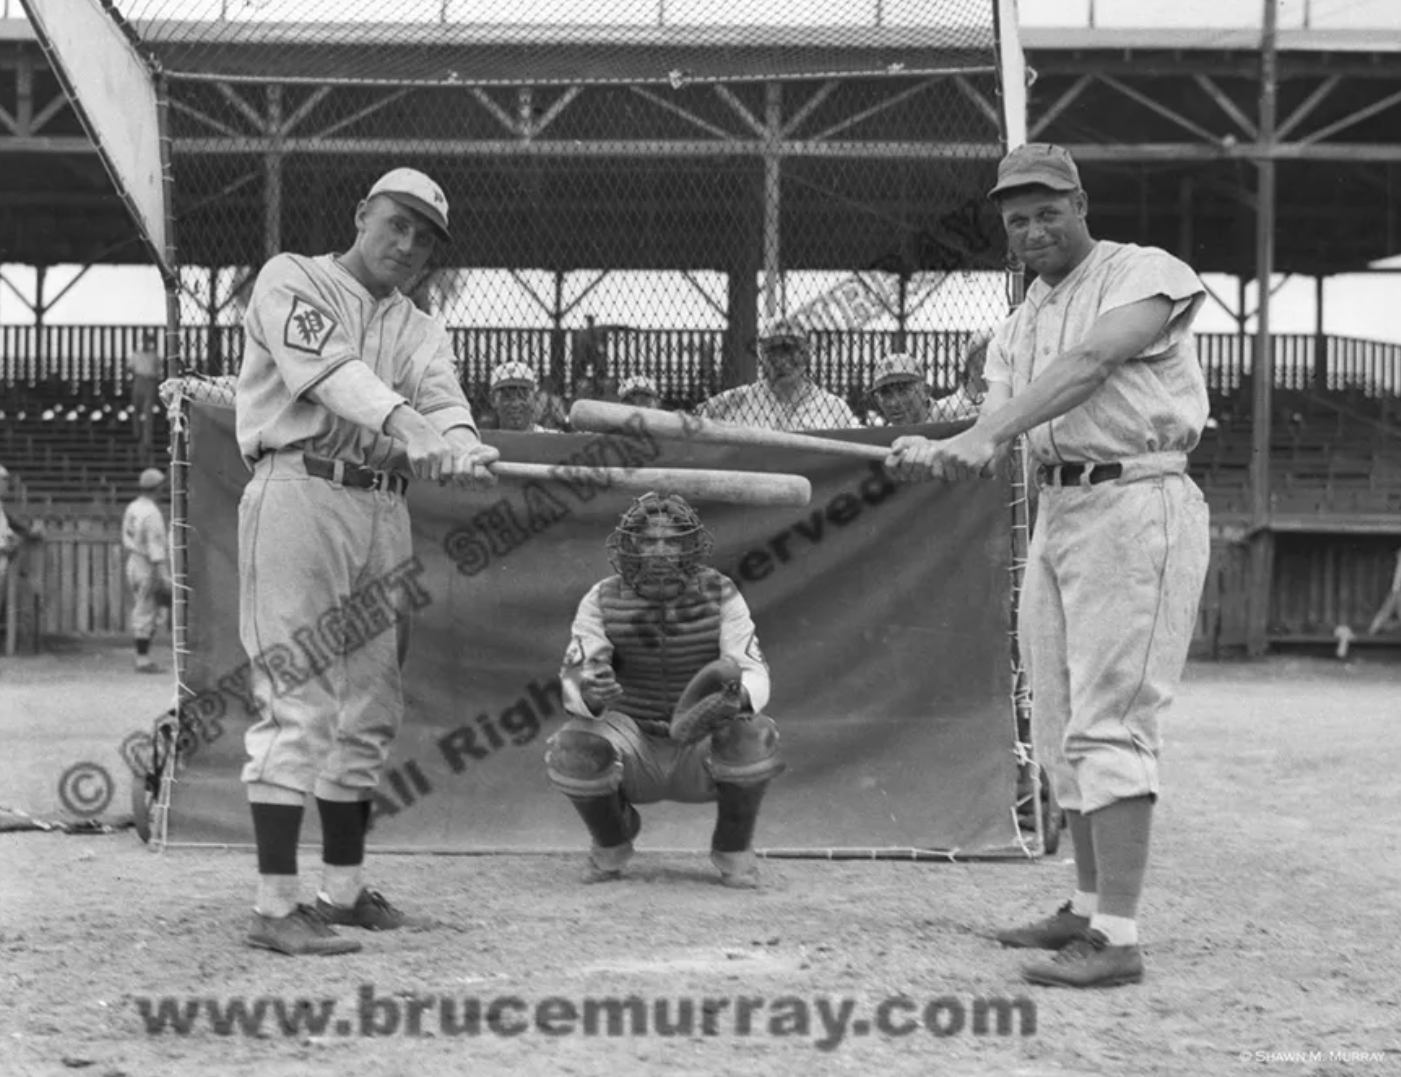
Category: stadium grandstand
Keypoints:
(1253, 151)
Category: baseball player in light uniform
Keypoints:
(346, 392)
(147, 564)
(1098, 368)
(515, 397)
(666, 684)
(784, 397)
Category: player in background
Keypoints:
(347, 392)
(666, 685)
(784, 397)
(147, 565)
(145, 367)
(1099, 369)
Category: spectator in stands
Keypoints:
(902, 394)
(590, 356)
(145, 380)
(515, 397)
(551, 411)
(784, 397)
(147, 565)
(1391, 605)
(640, 391)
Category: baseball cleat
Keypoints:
(738, 871)
(1088, 961)
(302, 932)
(1050, 933)
(147, 665)
(371, 911)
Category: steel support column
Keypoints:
(1262, 538)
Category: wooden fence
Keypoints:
(688, 362)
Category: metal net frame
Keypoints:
(639, 189)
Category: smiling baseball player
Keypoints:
(1098, 368)
(346, 392)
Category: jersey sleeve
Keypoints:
(1145, 273)
(153, 536)
(740, 640)
(292, 318)
(997, 365)
(588, 646)
(439, 397)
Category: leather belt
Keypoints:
(353, 475)
(1078, 474)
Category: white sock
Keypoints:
(1119, 930)
(340, 883)
(1084, 904)
(278, 894)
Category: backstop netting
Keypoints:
(636, 189)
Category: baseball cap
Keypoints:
(151, 478)
(514, 373)
(784, 330)
(638, 383)
(898, 366)
(410, 187)
(1037, 164)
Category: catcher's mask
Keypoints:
(659, 545)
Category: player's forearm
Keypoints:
(352, 392)
(1069, 382)
(461, 437)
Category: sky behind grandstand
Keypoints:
(1361, 305)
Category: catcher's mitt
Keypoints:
(712, 699)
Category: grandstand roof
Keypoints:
(1162, 121)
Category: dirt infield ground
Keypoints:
(1270, 932)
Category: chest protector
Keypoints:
(658, 647)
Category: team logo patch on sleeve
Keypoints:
(575, 655)
(308, 328)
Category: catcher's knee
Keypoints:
(745, 752)
(583, 764)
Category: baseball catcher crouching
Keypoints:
(665, 681)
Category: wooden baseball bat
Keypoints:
(599, 415)
(694, 484)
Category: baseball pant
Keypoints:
(323, 617)
(145, 611)
(1114, 577)
(653, 768)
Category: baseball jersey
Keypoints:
(143, 531)
(758, 405)
(144, 363)
(1155, 402)
(957, 405)
(9, 540)
(590, 646)
(309, 318)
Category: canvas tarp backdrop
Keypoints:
(883, 611)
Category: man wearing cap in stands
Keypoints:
(903, 397)
(147, 565)
(640, 391)
(515, 397)
(784, 397)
